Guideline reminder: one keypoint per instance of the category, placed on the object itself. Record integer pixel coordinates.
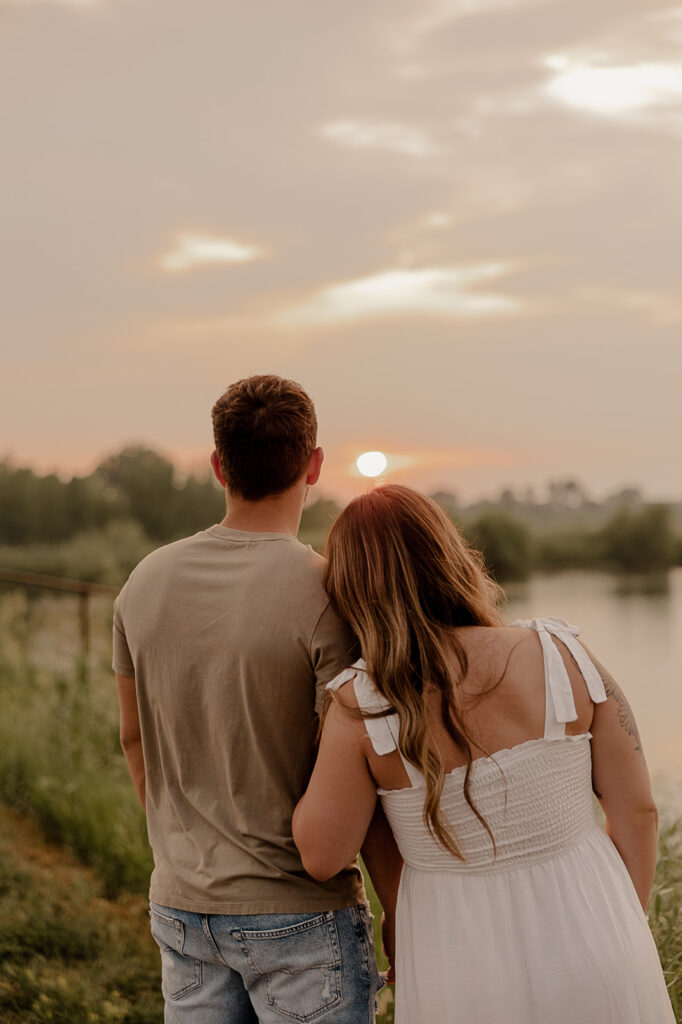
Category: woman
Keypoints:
(486, 744)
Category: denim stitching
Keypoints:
(327, 918)
(180, 943)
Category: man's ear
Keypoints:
(314, 467)
(215, 463)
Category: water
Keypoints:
(635, 629)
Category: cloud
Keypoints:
(203, 250)
(389, 136)
(660, 309)
(425, 19)
(431, 291)
(617, 90)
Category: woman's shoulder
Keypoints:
(491, 639)
(340, 682)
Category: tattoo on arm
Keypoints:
(625, 715)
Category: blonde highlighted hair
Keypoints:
(403, 578)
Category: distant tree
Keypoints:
(198, 503)
(506, 544)
(567, 493)
(20, 505)
(640, 541)
(627, 496)
(316, 522)
(446, 499)
(143, 483)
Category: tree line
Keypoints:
(136, 484)
(98, 526)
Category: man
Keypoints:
(223, 643)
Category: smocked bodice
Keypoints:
(536, 797)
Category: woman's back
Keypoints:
(502, 699)
(544, 923)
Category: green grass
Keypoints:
(67, 955)
(60, 758)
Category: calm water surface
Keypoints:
(635, 629)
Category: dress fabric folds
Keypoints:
(545, 929)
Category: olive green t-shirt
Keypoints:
(231, 638)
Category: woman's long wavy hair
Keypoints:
(403, 578)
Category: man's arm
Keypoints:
(131, 737)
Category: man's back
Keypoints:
(229, 635)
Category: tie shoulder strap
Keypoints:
(560, 706)
(384, 731)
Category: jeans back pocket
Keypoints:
(179, 974)
(299, 964)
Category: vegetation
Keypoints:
(506, 544)
(60, 758)
(135, 484)
(665, 910)
(67, 956)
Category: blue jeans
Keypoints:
(267, 968)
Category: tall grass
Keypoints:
(60, 759)
(665, 910)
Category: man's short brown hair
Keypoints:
(265, 431)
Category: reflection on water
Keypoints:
(634, 626)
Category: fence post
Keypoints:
(84, 616)
(83, 588)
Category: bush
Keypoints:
(506, 545)
(106, 555)
(641, 541)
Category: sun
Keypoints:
(371, 463)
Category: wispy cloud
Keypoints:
(192, 251)
(660, 308)
(614, 91)
(445, 292)
(425, 18)
(389, 136)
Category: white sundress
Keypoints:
(548, 931)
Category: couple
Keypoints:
(504, 902)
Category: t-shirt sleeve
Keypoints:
(333, 647)
(122, 661)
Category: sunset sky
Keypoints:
(458, 223)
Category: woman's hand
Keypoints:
(388, 942)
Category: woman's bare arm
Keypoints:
(622, 785)
(332, 818)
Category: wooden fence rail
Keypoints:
(83, 588)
